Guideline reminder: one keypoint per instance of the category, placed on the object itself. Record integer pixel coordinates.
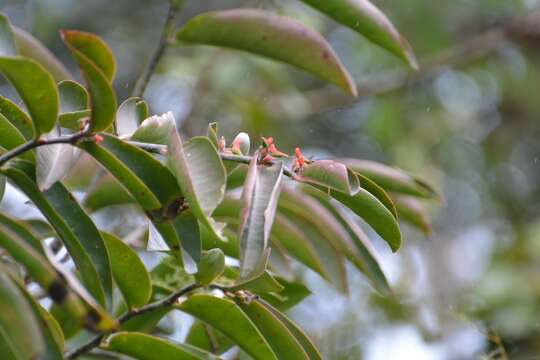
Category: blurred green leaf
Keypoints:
(363, 17)
(130, 115)
(271, 35)
(293, 293)
(413, 212)
(10, 138)
(7, 40)
(30, 47)
(106, 192)
(330, 174)
(74, 104)
(19, 328)
(259, 197)
(226, 316)
(259, 280)
(281, 340)
(2, 186)
(128, 271)
(23, 231)
(98, 67)
(204, 337)
(146, 347)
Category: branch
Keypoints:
(32, 144)
(243, 159)
(168, 28)
(163, 303)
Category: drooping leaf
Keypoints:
(155, 129)
(259, 196)
(146, 347)
(19, 328)
(39, 95)
(130, 115)
(281, 340)
(54, 163)
(129, 272)
(302, 338)
(391, 179)
(98, 67)
(210, 267)
(23, 230)
(379, 193)
(200, 174)
(17, 117)
(30, 47)
(330, 174)
(274, 36)
(414, 212)
(363, 17)
(366, 258)
(226, 316)
(75, 229)
(10, 138)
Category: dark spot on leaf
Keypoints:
(57, 291)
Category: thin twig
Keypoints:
(32, 144)
(168, 28)
(163, 303)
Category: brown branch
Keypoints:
(163, 303)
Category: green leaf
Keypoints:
(259, 197)
(330, 174)
(200, 173)
(274, 36)
(10, 138)
(37, 89)
(155, 129)
(7, 41)
(2, 186)
(146, 347)
(76, 230)
(94, 59)
(73, 96)
(19, 328)
(24, 231)
(391, 179)
(93, 48)
(87, 237)
(259, 281)
(129, 272)
(369, 208)
(302, 338)
(293, 293)
(210, 267)
(414, 212)
(379, 193)
(365, 257)
(130, 115)
(30, 47)
(363, 17)
(281, 340)
(17, 117)
(226, 316)
(204, 337)
(212, 134)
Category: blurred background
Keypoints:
(468, 121)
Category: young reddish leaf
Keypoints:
(226, 316)
(281, 340)
(259, 196)
(330, 174)
(94, 59)
(271, 35)
(363, 17)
